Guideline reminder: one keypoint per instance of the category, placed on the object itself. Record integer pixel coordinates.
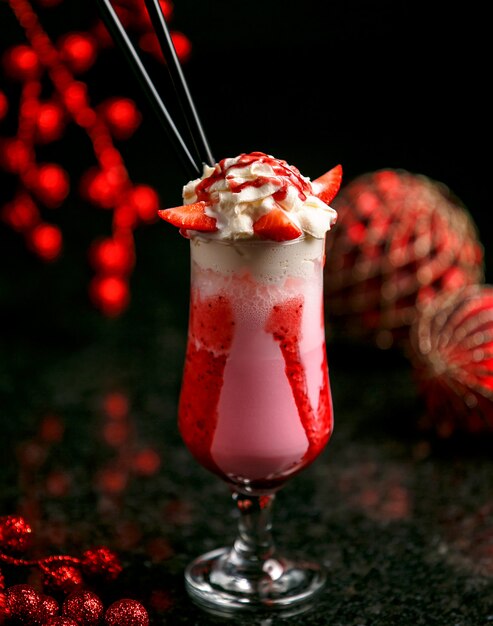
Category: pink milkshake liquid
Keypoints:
(255, 404)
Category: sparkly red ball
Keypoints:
(400, 239)
(4, 609)
(101, 562)
(24, 604)
(61, 578)
(451, 349)
(83, 606)
(15, 534)
(126, 612)
(61, 621)
(49, 608)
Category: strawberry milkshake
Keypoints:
(255, 404)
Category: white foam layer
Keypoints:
(266, 261)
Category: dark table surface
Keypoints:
(91, 455)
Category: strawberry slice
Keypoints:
(328, 184)
(277, 226)
(190, 217)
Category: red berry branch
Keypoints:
(42, 119)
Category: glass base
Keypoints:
(219, 584)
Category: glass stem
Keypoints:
(253, 550)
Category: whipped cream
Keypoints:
(240, 190)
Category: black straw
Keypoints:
(178, 79)
(121, 38)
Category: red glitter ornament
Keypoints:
(4, 608)
(61, 621)
(61, 578)
(126, 612)
(24, 604)
(400, 239)
(101, 562)
(49, 607)
(451, 349)
(83, 606)
(15, 534)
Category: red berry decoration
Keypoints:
(15, 534)
(112, 256)
(24, 604)
(46, 241)
(78, 50)
(110, 294)
(400, 239)
(22, 63)
(84, 607)
(61, 578)
(126, 612)
(52, 184)
(50, 121)
(122, 116)
(4, 105)
(451, 349)
(101, 562)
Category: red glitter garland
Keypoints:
(47, 185)
(64, 576)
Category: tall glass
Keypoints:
(255, 405)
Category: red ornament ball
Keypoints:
(49, 607)
(400, 239)
(15, 534)
(101, 562)
(126, 612)
(83, 606)
(451, 349)
(61, 621)
(4, 609)
(24, 604)
(61, 578)
(46, 241)
(78, 50)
